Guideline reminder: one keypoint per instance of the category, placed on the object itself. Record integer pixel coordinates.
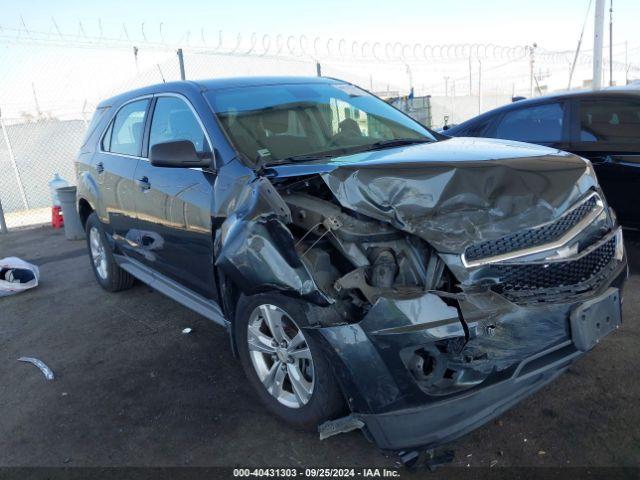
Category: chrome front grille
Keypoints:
(540, 238)
(536, 282)
(523, 276)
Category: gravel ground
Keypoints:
(132, 390)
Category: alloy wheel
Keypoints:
(98, 253)
(280, 356)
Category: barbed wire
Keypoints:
(294, 46)
(267, 44)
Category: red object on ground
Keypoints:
(57, 221)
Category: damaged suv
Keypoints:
(371, 273)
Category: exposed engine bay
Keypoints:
(360, 264)
(427, 280)
(356, 261)
(375, 259)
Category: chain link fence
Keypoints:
(52, 83)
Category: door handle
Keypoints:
(99, 167)
(143, 183)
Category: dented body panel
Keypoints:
(445, 281)
(450, 195)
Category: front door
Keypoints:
(173, 205)
(543, 124)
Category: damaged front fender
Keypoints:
(256, 250)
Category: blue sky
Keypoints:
(553, 24)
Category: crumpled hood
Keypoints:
(456, 192)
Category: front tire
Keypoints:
(284, 365)
(108, 274)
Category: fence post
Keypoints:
(181, 62)
(3, 223)
(13, 163)
(318, 69)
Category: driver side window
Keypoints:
(173, 120)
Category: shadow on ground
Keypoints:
(131, 389)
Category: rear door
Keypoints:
(606, 130)
(544, 124)
(173, 205)
(115, 163)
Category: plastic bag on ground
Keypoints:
(16, 275)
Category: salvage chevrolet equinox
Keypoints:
(371, 274)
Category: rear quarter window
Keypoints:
(610, 121)
(96, 119)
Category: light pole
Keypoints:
(598, 29)
(611, 43)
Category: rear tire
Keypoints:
(108, 274)
(287, 367)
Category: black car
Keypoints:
(603, 126)
(370, 273)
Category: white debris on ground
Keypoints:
(16, 276)
(47, 372)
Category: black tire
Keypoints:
(115, 279)
(326, 401)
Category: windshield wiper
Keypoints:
(396, 142)
(309, 156)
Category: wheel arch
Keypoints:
(84, 210)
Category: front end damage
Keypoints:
(443, 293)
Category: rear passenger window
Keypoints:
(609, 121)
(542, 123)
(124, 135)
(173, 120)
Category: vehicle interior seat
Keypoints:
(277, 137)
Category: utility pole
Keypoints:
(611, 43)
(598, 29)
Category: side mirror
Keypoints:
(177, 154)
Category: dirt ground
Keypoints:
(132, 390)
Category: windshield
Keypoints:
(285, 123)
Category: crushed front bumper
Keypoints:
(528, 347)
(443, 421)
